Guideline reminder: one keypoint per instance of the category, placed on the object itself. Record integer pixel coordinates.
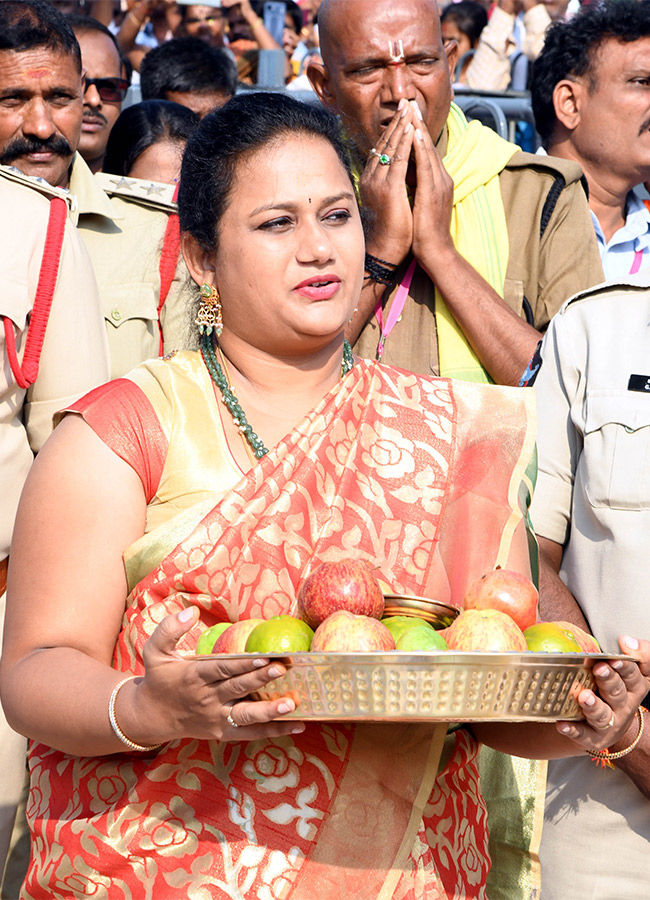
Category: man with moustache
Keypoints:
(522, 239)
(591, 99)
(37, 380)
(129, 226)
(105, 87)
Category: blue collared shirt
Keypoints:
(618, 255)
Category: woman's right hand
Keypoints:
(180, 697)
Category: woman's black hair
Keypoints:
(143, 124)
(244, 125)
(470, 18)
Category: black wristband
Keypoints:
(378, 270)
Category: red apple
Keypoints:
(349, 584)
(586, 641)
(485, 629)
(506, 591)
(343, 632)
(233, 639)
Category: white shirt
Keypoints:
(628, 251)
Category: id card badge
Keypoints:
(639, 383)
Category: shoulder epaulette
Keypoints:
(35, 183)
(570, 170)
(639, 283)
(155, 194)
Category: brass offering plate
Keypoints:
(438, 614)
(436, 686)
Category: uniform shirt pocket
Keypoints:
(131, 316)
(124, 302)
(615, 462)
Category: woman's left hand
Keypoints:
(622, 685)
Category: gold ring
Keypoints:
(229, 718)
(611, 722)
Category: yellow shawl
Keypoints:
(475, 157)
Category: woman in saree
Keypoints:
(155, 510)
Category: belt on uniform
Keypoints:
(4, 565)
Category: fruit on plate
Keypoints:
(345, 632)
(398, 624)
(485, 629)
(588, 642)
(349, 584)
(550, 637)
(208, 638)
(420, 638)
(233, 639)
(280, 634)
(506, 591)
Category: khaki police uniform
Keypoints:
(593, 497)
(74, 360)
(122, 222)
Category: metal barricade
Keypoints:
(502, 111)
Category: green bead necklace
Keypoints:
(230, 400)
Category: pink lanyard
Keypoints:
(396, 308)
(403, 291)
(636, 262)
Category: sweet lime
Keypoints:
(280, 634)
(547, 637)
(397, 625)
(208, 638)
(419, 638)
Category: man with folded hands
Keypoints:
(473, 245)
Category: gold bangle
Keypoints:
(619, 754)
(137, 19)
(116, 728)
(258, 21)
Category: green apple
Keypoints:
(208, 638)
(397, 625)
(280, 634)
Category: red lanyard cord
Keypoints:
(168, 261)
(27, 373)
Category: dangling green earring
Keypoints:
(209, 316)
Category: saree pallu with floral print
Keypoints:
(424, 478)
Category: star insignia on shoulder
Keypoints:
(155, 189)
(170, 355)
(123, 183)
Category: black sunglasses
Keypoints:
(111, 90)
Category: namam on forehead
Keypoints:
(378, 29)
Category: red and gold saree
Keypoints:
(424, 478)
